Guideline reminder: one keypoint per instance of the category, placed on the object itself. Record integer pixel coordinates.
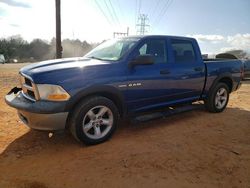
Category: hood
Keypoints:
(60, 64)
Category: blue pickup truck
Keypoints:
(120, 78)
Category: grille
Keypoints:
(27, 81)
(28, 88)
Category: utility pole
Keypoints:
(58, 30)
(121, 34)
(142, 26)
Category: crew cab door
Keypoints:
(146, 86)
(188, 72)
(177, 75)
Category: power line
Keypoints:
(119, 7)
(139, 8)
(163, 12)
(136, 2)
(109, 11)
(100, 8)
(137, 11)
(154, 10)
(115, 15)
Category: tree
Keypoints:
(39, 49)
(12, 47)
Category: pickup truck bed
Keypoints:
(218, 68)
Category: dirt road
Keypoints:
(193, 149)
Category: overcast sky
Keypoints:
(217, 24)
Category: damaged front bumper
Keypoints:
(40, 115)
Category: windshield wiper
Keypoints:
(93, 57)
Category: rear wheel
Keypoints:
(94, 120)
(218, 98)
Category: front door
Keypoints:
(147, 83)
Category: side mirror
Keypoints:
(142, 60)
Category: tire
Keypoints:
(94, 120)
(217, 98)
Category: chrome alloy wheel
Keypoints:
(97, 122)
(221, 98)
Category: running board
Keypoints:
(167, 112)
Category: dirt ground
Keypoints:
(193, 149)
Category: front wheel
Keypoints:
(94, 120)
(218, 98)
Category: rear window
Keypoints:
(183, 51)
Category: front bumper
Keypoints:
(41, 115)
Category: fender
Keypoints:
(226, 75)
(108, 91)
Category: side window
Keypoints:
(156, 48)
(143, 49)
(183, 51)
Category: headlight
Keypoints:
(52, 92)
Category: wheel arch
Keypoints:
(224, 78)
(109, 92)
(228, 81)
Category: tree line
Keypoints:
(18, 49)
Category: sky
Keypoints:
(218, 25)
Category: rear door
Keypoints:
(187, 69)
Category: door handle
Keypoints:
(164, 71)
(198, 69)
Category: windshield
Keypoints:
(112, 50)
